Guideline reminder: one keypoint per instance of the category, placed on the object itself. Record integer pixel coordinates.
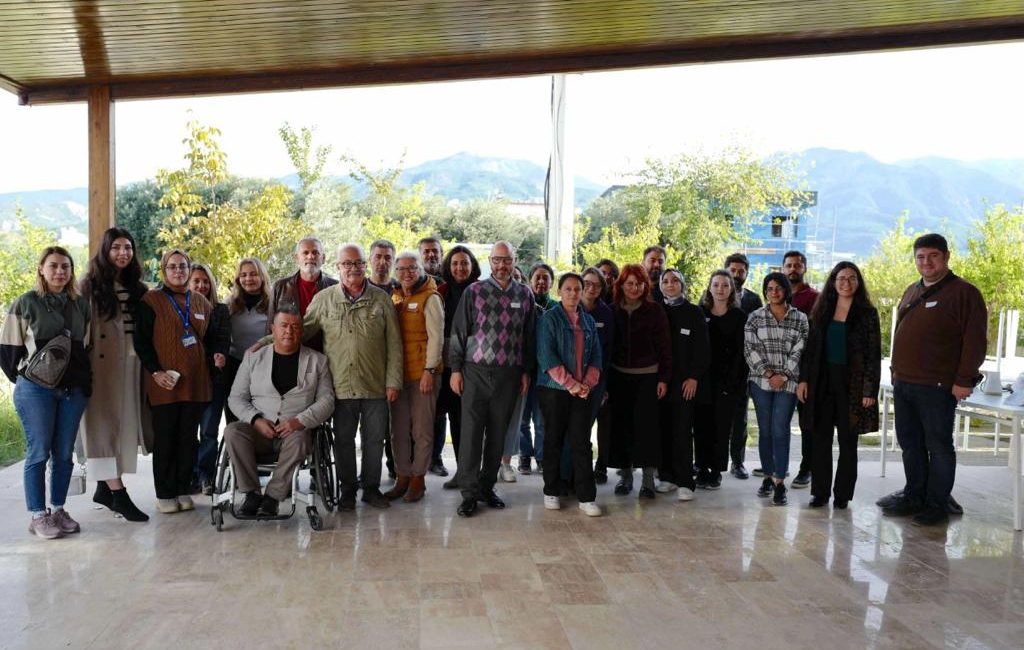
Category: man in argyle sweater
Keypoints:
(491, 353)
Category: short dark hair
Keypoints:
(654, 248)
(593, 270)
(607, 262)
(382, 243)
(932, 240)
(428, 240)
(737, 258)
(803, 258)
(779, 279)
(288, 308)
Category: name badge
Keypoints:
(599, 325)
(188, 340)
(930, 304)
(684, 331)
(515, 305)
(199, 316)
(707, 320)
(412, 306)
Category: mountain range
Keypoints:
(858, 196)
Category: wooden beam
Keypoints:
(101, 164)
(526, 63)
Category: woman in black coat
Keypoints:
(839, 376)
(690, 357)
(724, 389)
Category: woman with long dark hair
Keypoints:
(839, 377)
(49, 415)
(459, 269)
(725, 387)
(774, 339)
(114, 422)
(639, 376)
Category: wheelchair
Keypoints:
(323, 485)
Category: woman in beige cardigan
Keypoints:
(112, 428)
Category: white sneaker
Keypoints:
(506, 473)
(591, 509)
(185, 503)
(167, 506)
(684, 494)
(552, 503)
(665, 487)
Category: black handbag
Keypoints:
(47, 365)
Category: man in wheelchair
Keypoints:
(281, 393)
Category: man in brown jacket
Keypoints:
(939, 344)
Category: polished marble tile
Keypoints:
(723, 571)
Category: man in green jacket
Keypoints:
(364, 349)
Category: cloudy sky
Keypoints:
(962, 102)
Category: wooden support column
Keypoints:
(101, 164)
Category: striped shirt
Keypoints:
(127, 317)
(773, 346)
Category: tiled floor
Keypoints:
(724, 571)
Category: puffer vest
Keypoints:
(413, 323)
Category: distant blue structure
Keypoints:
(789, 228)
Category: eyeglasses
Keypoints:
(846, 280)
(500, 260)
(591, 285)
(348, 265)
(176, 267)
(406, 269)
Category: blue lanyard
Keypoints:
(184, 315)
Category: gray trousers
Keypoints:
(372, 418)
(488, 399)
(245, 443)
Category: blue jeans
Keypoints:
(209, 430)
(924, 429)
(532, 446)
(774, 413)
(50, 418)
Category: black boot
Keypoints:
(102, 494)
(122, 505)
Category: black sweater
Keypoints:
(728, 368)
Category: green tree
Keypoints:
(889, 271)
(19, 253)
(486, 221)
(642, 230)
(309, 160)
(139, 212)
(993, 263)
(255, 222)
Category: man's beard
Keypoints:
(795, 278)
(739, 283)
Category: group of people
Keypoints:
(407, 346)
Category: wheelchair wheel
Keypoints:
(218, 518)
(315, 521)
(323, 463)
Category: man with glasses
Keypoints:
(298, 289)
(363, 345)
(491, 349)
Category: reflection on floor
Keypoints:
(724, 571)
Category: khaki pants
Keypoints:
(245, 443)
(412, 428)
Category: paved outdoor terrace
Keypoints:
(724, 571)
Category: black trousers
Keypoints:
(488, 399)
(604, 436)
(676, 419)
(714, 429)
(832, 411)
(567, 418)
(806, 442)
(738, 436)
(231, 367)
(636, 435)
(175, 431)
(448, 404)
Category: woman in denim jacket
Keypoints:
(569, 365)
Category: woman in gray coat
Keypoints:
(112, 428)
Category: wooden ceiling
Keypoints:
(54, 50)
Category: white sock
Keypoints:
(57, 508)
(37, 514)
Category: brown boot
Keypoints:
(401, 485)
(417, 488)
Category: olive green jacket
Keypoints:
(362, 340)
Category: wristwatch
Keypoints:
(432, 371)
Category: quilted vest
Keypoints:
(413, 323)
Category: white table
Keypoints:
(981, 406)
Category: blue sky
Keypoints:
(957, 102)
